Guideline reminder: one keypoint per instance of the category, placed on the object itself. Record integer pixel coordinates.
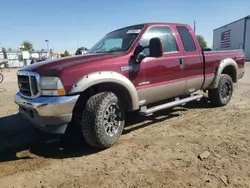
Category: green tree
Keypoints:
(9, 49)
(202, 41)
(26, 46)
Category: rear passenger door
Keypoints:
(192, 61)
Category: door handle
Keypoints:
(182, 62)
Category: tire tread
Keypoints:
(214, 94)
(92, 121)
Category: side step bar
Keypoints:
(147, 112)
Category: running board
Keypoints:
(147, 112)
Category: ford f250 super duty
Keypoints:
(144, 68)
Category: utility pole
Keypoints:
(194, 26)
(48, 54)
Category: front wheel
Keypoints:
(1, 78)
(221, 95)
(103, 120)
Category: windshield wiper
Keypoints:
(121, 50)
(97, 52)
(110, 51)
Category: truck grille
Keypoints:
(27, 85)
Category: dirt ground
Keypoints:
(160, 152)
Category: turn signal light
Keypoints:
(61, 92)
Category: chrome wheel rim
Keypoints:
(112, 119)
(226, 90)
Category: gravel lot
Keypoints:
(160, 152)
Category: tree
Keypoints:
(26, 46)
(9, 49)
(202, 41)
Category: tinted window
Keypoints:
(186, 38)
(166, 36)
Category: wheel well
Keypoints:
(230, 70)
(119, 90)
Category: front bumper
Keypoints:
(49, 114)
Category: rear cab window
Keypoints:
(186, 39)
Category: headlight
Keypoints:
(51, 86)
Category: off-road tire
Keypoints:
(93, 128)
(1, 78)
(215, 95)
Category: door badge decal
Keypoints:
(126, 68)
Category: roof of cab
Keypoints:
(150, 24)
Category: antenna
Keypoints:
(194, 26)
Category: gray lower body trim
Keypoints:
(166, 91)
(208, 81)
(161, 92)
(193, 84)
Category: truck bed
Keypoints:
(212, 59)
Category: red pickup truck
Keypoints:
(136, 68)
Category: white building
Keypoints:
(235, 35)
(17, 58)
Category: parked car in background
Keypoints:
(81, 51)
(35, 60)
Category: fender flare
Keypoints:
(107, 76)
(223, 64)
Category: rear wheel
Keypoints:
(103, 120)
(223, 93)
(1, 78)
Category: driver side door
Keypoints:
(159, 78)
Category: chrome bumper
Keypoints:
(49, 114)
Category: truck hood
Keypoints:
(54, 66)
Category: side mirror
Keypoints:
(155, 47)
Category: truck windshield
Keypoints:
(116, 41)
